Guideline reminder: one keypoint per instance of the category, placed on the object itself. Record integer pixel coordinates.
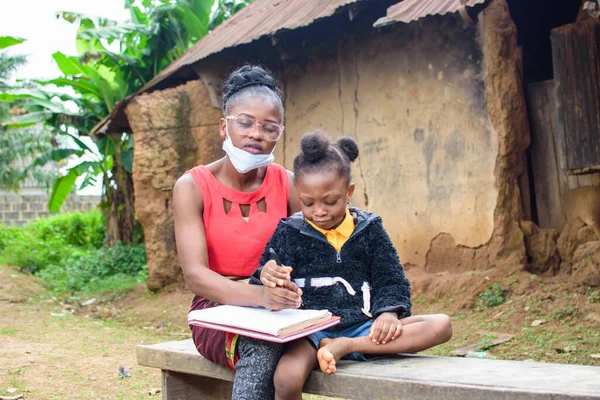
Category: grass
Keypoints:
(77, 356)
(593, 297)
(566, 334)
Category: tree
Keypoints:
(114, 60)
(19, 146)
(8, 65)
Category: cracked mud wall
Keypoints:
(436, 107)
(505, 103)
(508, 114)
(174, 130)
(414, 97)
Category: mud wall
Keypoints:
(174, 130)
(433, 158)
(436, 107)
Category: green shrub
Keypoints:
(593, 297)
(74, 228)
(6, 233)
(114, 268)
(564, 314)
(23, 249)
(52, 240)
(66, 252)
(492, 297)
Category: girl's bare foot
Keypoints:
(329, 351)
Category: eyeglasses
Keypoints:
(243, 125)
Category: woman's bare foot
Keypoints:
(329, 352)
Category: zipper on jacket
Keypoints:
(338, 257)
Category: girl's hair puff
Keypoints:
(319, 154)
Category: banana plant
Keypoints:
(114, 60)
(18, 146)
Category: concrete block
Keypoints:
(11, 198)
(4, 207)
(43, 214)
(34, 198)
(19, 223)
(38, 206)
(19, 207)
(11, 215)
(29, 215)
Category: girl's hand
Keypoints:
(273, 275)
(386, 328)
(278, 298)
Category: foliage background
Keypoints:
(67, 252)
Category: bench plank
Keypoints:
(403, 377)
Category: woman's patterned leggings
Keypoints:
(255, 369)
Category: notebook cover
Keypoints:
(270, 338)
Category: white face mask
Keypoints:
(244, 161)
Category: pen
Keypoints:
(274, 256)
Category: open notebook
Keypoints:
(274, 326)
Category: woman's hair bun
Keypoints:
(246, 76)
(349, 147)
(314, 146)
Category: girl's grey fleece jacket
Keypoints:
(360, 282)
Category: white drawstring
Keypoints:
(329, 281)
(366, 299)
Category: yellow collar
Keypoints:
(345, 229)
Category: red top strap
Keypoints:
(234, 244)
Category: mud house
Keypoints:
(436, 92)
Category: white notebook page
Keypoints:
(258, 319)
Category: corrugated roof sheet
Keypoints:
(268, 17)
(412, 10)
(259, 18)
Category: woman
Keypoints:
(225, 213)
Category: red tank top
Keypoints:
(234, 244)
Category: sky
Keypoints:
(35, 20)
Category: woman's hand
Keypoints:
(278, 298)
(386, 328)
(273, 275)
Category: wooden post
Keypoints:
(178, 386)
(548, 178)
(576, 58)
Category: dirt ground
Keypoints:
(74, 348)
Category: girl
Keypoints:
(345, 262)
(224, 214)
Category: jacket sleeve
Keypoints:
(278, 242)
(391, 288)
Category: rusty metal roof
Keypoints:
(258, 19)
(268, 17)
(411, 10)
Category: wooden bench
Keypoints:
(187, 375)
